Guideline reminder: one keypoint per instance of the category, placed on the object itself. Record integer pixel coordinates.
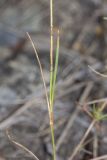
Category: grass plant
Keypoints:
(96, 113)
(53, 74)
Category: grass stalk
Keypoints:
(53, 141)
(51, 49)
(53, 81)
(53, 73)
(55, 68)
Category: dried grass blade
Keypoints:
(98, 73)
(41, 70)
(21, 146)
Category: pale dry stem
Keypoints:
(78, 147)
(98, 73)
(41, 70)
(21, 146)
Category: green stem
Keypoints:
(53, 141)
(55, 69)
(53, 75)
(51, 85)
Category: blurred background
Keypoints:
(23, 109)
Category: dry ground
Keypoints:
(23, 107)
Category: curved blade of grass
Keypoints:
(21, 146)
(98, 73)
(41, 70)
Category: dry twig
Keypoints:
(73, 117)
